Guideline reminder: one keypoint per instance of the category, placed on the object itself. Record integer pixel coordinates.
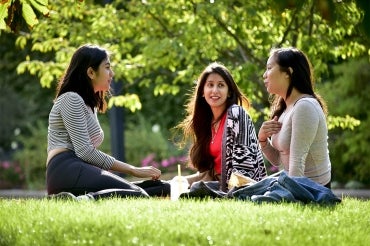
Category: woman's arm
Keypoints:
(246, 154)
(305, 122)
(267, 129)
(140, 172)
(75, 118)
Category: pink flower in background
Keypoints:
(170, 161)
(5, 164)
(182, 159)
(166, 163)
(147, 160)
(11, 173)
(154, 164)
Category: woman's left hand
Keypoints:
(145, 172)
(269, 128)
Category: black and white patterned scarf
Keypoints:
(240, 148)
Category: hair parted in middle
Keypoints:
(197, 124)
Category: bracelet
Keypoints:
(263, 144)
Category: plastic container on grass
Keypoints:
(179, 185)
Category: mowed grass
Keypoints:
(184, 222)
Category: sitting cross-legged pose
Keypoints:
(75, 165)
(296, 135)
(222, 133)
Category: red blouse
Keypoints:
(215, 147)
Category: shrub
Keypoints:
(11, 175)
(349, 148)
(148, 145)
(31, 155)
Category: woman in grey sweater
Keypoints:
(296, 135)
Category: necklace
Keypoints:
(214, 127)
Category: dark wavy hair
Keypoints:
(197, 124)
(76, 79)
(301, 77)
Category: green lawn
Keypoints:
(183, 222)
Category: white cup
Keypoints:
(179, 185)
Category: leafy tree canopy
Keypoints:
(167, 44)
(16, 14)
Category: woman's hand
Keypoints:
(268, 128)
(145, 172)
(140, 172)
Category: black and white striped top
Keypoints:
(73, 125)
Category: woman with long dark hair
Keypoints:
(222, 133)
(76, 168)
(296, 135)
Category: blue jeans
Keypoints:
(285, 188)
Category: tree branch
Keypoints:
(246, 52)
(289, 27)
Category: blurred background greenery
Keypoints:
(158, 49)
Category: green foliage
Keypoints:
(130, 101)
(11, 175)
(165, 46)
(169, 44)
(145, 144)
(185, 222)
(346, 122)
(32, 155)
(13, 12)
(348, 95)
(22, 102)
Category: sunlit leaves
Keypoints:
(3, 14)
(29, 15)
(48, 72)
(168, 43)
(346, 122)
(40, 6)
(13, 11)
(130, 101)
(166, 88)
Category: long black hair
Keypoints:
(197, 124)
(76, 79)
(296, 64)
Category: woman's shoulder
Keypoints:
(70, 96)
(70, 101)
(308, 106)
(307, 102)
(235, 108)
(237, 111)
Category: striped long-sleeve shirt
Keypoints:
(74, 126)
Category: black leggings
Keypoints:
(68, 173)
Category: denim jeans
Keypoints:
(285, 188)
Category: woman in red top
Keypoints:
(222, 133)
